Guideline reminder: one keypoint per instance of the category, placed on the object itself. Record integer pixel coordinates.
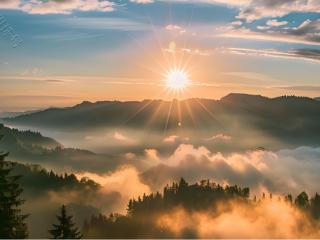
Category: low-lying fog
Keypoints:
(144, 161)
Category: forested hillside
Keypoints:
(178, 212)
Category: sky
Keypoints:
(62, 52)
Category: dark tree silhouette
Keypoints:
(302, 200)
(11, 220)
(288, 198)
(66, 228)
(143, 211)
(315, 206)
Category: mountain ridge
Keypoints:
(286, 118)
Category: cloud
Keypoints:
(172, 27)
(125, 181)
(306, 33)
(175, 138)
(236, 23)
(104, 23)
(237, 3)
(300, 88)
(171, 139)
(175, 28)
(116, 189)
(251, 10)
(269, 8)
(120, 137)
(276, 23)
(9, 4)
(260, 170)
(219, 137)
(263, 27)
(115, 138)
(237, 219)
(300, 54)
(190, 51)
(58, 6)
(142, 1)
(152, 154)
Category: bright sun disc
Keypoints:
(177, 80)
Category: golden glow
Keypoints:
(177, 80)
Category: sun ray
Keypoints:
(142, 108)
(168, 119)
(209, 112)
(156, 112)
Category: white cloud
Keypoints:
(175, 28)
(306, 33)
(170, 139)
(172, 27)
(120, 137)
(58, 6)
(240, 220)
(236, 23)
(219, 137)
(260, 170)
(251, 10)
(124, 181)
(270, 8)
(142, 1)
(276, 23)
(263, 27)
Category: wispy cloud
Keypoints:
(104, 23)
(269, 8)
(253, 10)
(306, 33)
(310, 88)
(142, 1)
(58, 6)
(300, 54)
(219, 137)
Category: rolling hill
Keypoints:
(288, 117)
(33, 148)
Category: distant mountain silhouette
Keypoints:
(14, 114)
(317, 98)
(25, 139)
(286, 117)
(32, 147)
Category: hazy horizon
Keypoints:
(18, 108)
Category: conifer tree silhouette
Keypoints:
(12, 223)
(65, 229)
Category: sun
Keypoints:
(177, 79)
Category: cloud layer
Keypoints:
(260, 170)
(268, 219)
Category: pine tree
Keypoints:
(302, 200)
(66, 228)
(12, 223)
